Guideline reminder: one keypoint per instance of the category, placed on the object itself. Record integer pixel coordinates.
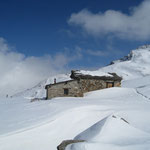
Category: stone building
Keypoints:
(80, 84)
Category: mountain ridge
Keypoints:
(135, 65)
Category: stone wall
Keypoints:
(117, 84)
(92, 84)
(57, 90)
(76, 88)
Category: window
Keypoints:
(110, 84)
(66, 91)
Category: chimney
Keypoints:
(54, 80)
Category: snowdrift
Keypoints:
(112, 132)
(94, 118)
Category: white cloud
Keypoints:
(135, 26)
(97, 53)
(3, 45)
(19, 72)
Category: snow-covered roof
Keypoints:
(82, 74)
(93, 73)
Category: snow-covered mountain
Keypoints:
(39, 91)
(134, 65)
(110, 119)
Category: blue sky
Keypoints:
(42, 38)
(40, 27)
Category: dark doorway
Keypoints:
(66, 91)
(109, 84)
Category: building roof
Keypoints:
(75, 74)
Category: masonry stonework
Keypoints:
(57, 90)
(91, 85)
(76, 88)
(81, 84)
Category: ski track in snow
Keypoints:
(142, 94)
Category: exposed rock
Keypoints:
(144, 46)
(34, 99)
(121, 119)
(124, 120)
(64, 144)
(125, 58)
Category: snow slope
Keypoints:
(135, 65)
(44, 124)
(109, 119)
(39, 91)
(112, 133)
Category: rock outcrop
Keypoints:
(64, 144)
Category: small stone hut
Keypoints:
(80, 84)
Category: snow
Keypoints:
(109, 119)
(93, 73)
(136, 65)
(112, 130)
(39, 91)
(45, 124)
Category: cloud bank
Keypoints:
(135, 25)
(18, 72)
